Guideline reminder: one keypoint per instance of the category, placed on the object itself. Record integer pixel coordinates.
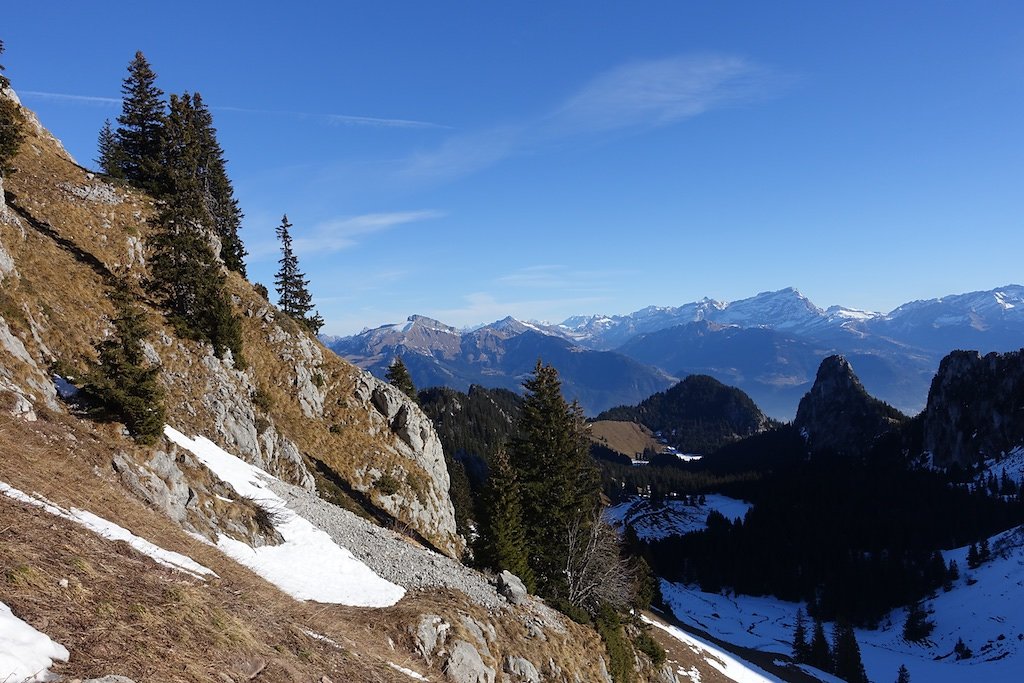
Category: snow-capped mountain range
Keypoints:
(769, 345)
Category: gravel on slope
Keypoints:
(387, 553)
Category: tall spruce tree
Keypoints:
(903, 675)
(819, 654)
(141, 123)
(801, 649)
(217, 190)
(398, 376)
(4, 82)
(109, 155)
(185, 273)
(918, 626)
(846, 654)
(558, 480)
(124, 384)
(503, 541)
(12, 131)
(292, 286)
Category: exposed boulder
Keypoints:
(521, 670)
(464, 665)
(430, 634)
(838, 415)
(512, 587)
(975, 407)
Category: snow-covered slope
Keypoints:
(985, 609)
(309, 565)
(25, 653)
(656, 520)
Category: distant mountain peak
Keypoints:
(838, 414)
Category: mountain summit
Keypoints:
(838, 415)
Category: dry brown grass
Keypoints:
(123, 613)
(628, 438)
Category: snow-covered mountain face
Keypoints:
(769, 344)
(995, 311)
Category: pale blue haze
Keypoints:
(469, 160)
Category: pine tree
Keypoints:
(903, 675)
(503, 541)
(973, 559)
(819, 655)
(917, 627)
(398, 376)
(291, 284)
(4, 82)
(185, 273)
(12, 126)
(109, 157)
(801, 650)
(218, 193)
(559, 485)
(124, 385)
(846, 652)
(140, 130)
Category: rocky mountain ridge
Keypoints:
(769, 345)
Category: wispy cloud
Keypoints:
(662, 92)
(644, 94)
(339, 119)
(69, 98)
(562, 278)
(329, 119)
(334, 235)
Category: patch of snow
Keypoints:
(730, 666)
(408, 672)
(25, 653)
(985, 609)
(653, 521)
(308, 565)
(113, 532)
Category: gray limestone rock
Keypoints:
(521, 670)
(430, 634)
(464, 665)
(512, 587)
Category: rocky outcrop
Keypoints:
(427, 504)
(838, 415)
(464, 665)
(975, 407)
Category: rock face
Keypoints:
(464, 665)
(838, 415)
(415, 441)
(975, 407)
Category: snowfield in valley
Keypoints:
(985, 609)
(653, 521)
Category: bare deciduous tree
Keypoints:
(595, 570)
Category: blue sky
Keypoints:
(469, 160)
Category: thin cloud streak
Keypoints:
(335, 235)
(340, 119)
(559, 277)
(330, 119)
(66, 97)
(646, 94)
